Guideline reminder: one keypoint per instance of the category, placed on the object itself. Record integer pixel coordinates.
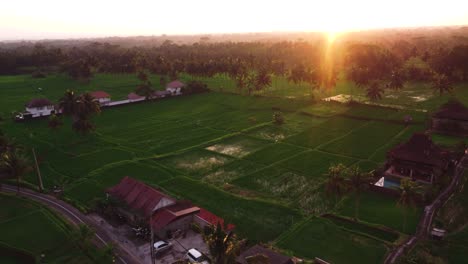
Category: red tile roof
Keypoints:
(39, 102)
(171, 213)
(100, 94)
(138, 195)
(453, 109)
(175, 84)
(421, 149)
(134, 96)
(213, 219)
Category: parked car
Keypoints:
(161, 246)
(195, 256)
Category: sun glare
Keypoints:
(331, 35)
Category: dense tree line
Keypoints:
(374, 67)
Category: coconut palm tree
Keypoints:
(15, 165)
(408, 195)
(396, 81)
(374, 91)
(336, 181)
(69, 103)
(357, 182)
(223, 246)
(145, 90)
(87, 106)
(441, 84)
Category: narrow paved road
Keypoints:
(425, 224)
(76, 218)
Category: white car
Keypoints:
(195, 256)
(161, 246)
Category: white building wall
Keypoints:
(40, 111)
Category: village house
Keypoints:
(419, 159)
(175, 87)
(142, 204)
(451, 119)
(40, 107)
(272, 256)
(102, 97)
(133, 97)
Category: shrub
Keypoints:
(278, 118)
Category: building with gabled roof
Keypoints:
(419, 158)
(178, 216)
(140, 199)
(175, 87)
(451, 119)
(102, 97)
(40, 107)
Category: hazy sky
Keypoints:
(37, 19)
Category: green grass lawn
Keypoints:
(321, 238)
(378, 209)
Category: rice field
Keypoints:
(223, 152)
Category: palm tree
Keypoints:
(223, 247)
(336, 182)
(69, 103)
(396, 81)
(408, 195)
(357, 183)
(87, 106)
(374, 91)
(15, 164)
(262, 80)
(441, 83)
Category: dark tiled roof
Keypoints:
(453, 109)
(39, 102)
(175, 84)
(274, 257)
(137, 195)
(420, 149)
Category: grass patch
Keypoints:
(321, 238)
(261, 221)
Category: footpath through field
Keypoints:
(425, 223)
(76, 217)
